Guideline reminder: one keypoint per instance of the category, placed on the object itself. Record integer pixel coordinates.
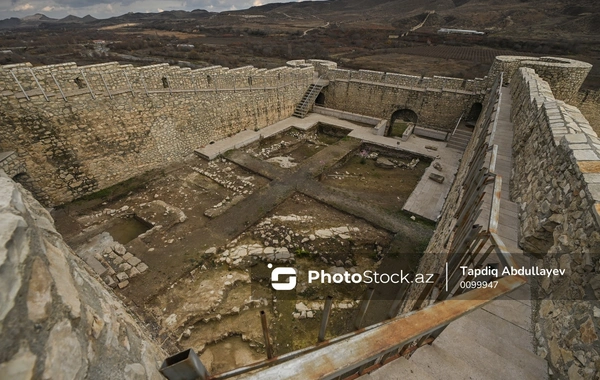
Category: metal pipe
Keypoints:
(19, 83)
(265, 328)
(185, 365)
(325, 318)
(363, 308)
(38, 84)
(58, 85)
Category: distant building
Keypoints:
(460, 31)
(393, 36)
(99, 42)
(185, 46)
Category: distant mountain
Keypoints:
(554, 19)
(88, 18)
(36, 18)
(10, 23)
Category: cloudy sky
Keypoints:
(108, 8)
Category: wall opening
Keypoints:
(165, 82)
(473, 114)
(320, 101)
(400, 120)
(79, 82)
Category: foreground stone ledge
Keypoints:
(57, 320)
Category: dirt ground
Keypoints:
(207, 281)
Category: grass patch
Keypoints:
(398, 128)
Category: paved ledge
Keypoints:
(428, 197)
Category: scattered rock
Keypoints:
(436, 177)
(384, 163)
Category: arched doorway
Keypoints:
(320, 101)
(400, 120)
(473, 114)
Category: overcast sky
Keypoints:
(107, 8)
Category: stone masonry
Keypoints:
(56, 319)
(438, 101)
(564, 76)
(556, 180)
(83, 129)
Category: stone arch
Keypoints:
(320, 100)
(400, 120)
(473, 114)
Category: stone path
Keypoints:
(496, 341)
(302, 180)
(508, 223)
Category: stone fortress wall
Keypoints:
(588, 102)
(81, 129)
(438, 101)
(57, 321)
(565, 76)
(556, 181)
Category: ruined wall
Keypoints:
(556, 180)
(565, 76)
(10, 164)
(86, 128)
(438, 101)
(56, 320)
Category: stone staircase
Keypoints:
(460, 138)
(308, 99)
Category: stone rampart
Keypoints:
(565, 76)
(588, 102)
(82, 129)
(437, 101)
(556, 180)
(58, 321)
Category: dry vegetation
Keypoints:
(347, 33)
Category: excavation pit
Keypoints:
(217, 224)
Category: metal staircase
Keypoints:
(309, 98)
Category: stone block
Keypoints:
(122, 276)
(95, 265)
(133, 261)
(437, 178)
(123, 284)
(142, 267)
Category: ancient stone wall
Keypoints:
(565, 76)
(588, 102)
(438, 101)
(57, 321)
(10, 164)
(81, 129)
(556, 180)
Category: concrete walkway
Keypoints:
(428, 196)
(508, 223)
(496, 341)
